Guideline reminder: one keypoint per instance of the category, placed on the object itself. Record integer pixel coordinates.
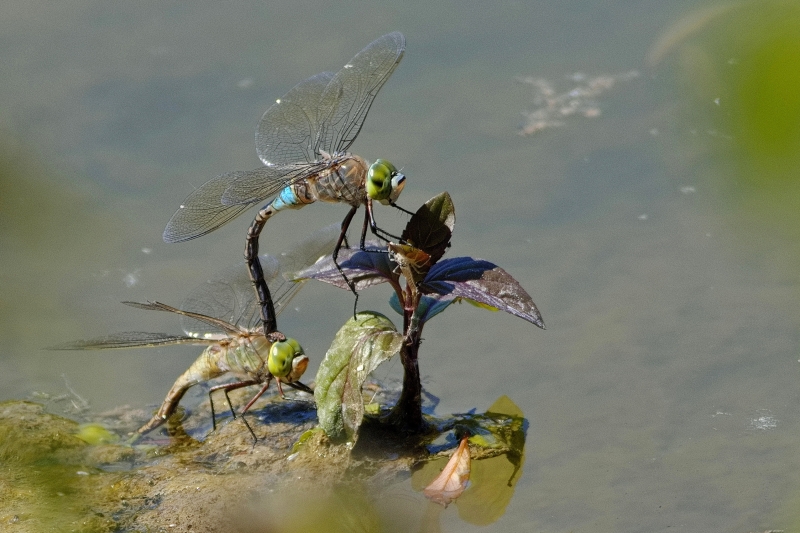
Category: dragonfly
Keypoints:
(303, 141)
(222, 314)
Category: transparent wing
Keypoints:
(349, 95)
(223, 305)
(323, 113)
(287, 131)
(299, 257)
(257, 185)
(229, 295)
(226, 328)
(310, 250)
(129, 339)
(203, 211)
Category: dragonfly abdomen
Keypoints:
(239, 357)
(203, 369)
(342, 181)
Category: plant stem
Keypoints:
(406, 415)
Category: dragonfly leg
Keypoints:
(301, 387)
(338, 247)
(406, 211)
(226, 388)
(252, 433)
(256, 272)
(258, 395)
(382, 234)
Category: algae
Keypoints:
(54, 480)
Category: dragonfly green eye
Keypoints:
(281, 356)
(384, 182)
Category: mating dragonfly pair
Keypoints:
(303, 140)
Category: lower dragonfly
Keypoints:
(223, 315)
(303, 141)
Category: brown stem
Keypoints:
(406, 415)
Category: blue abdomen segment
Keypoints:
(287, 199)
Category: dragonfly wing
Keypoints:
(310, 250)
(286, 133)
(254, 186)
(299, 257)
(347, 98)
(129, 339)
(203, 211)
(229, 296)
(224, 327)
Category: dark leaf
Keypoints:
(363, 268)
(431, 227)
(362, 344)
(483, 282)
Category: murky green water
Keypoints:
(659, 239)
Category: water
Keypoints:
(662, 394)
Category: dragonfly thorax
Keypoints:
(245, 356)
(342, 181)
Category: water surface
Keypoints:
(662, 394)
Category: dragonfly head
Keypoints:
(384, 182)
(299, 365)
(286, 360)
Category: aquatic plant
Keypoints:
(424, 285)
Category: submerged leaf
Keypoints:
(452, 481)
(92, 433)
(483, 282)
(363, 343)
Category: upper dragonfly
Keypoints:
(222, 315)
(303, 140)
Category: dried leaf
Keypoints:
(492, 481)
(413, 263)
(452, 481)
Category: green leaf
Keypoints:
(363, 343)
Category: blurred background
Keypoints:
(634, 165)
